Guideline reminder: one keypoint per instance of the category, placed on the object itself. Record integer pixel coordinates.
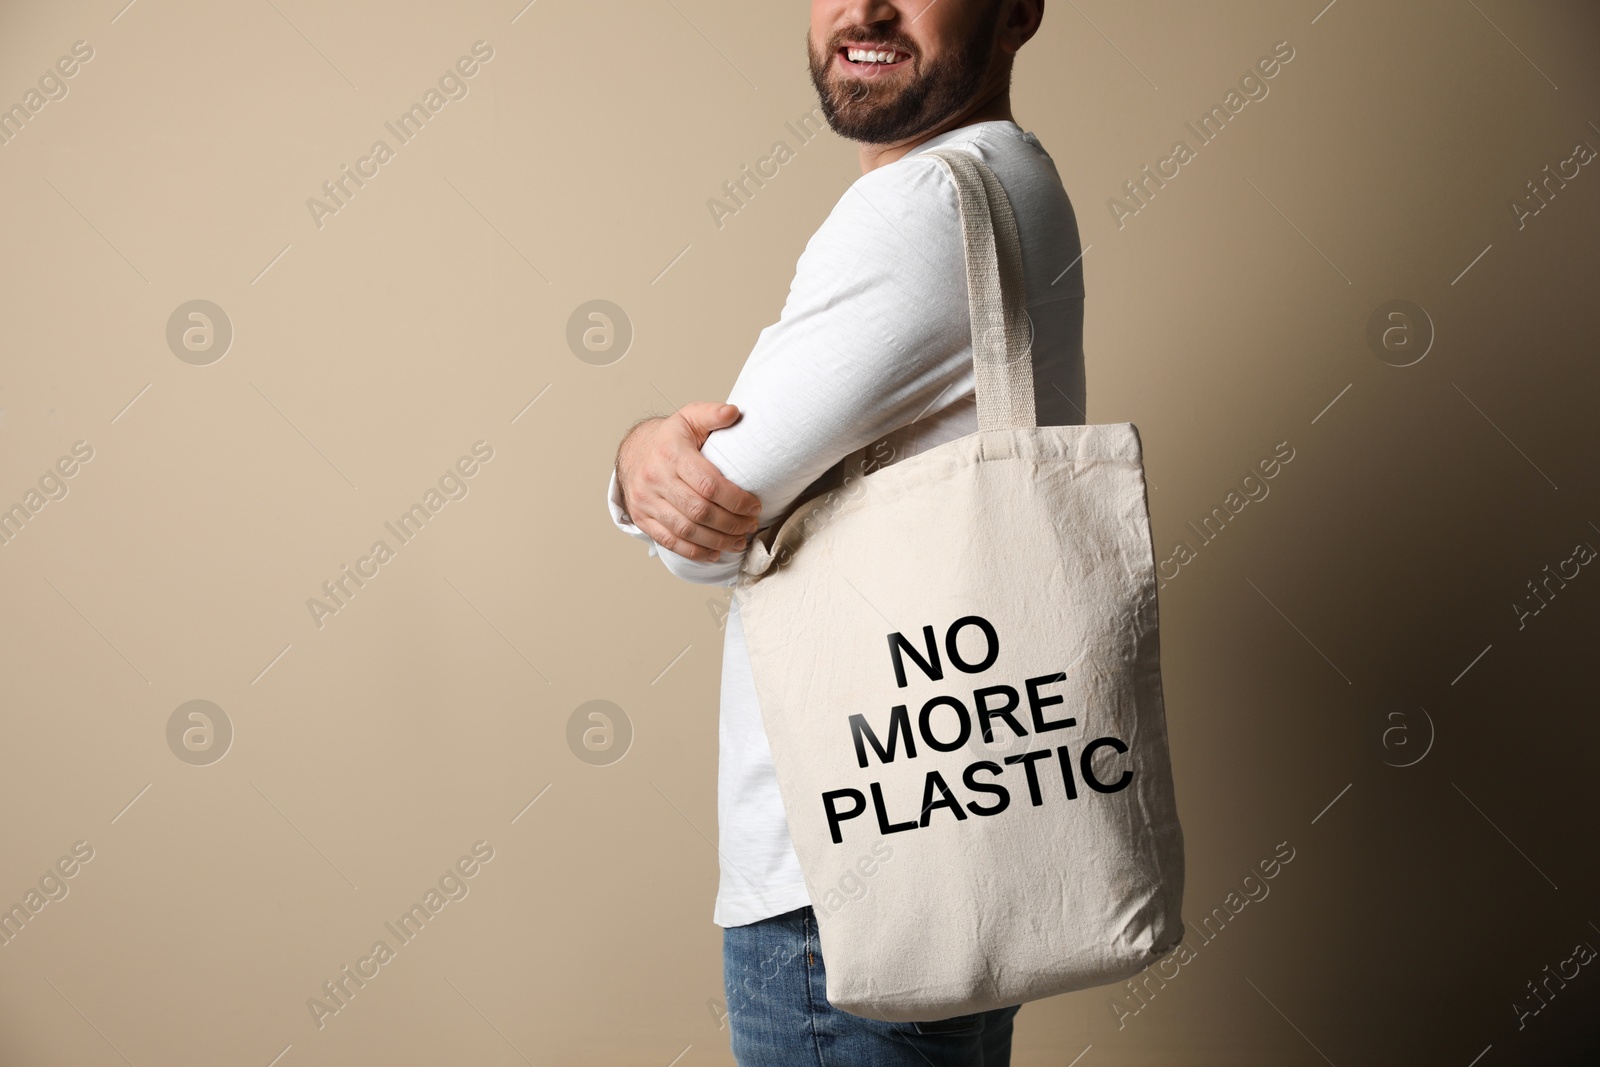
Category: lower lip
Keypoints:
(869, 70)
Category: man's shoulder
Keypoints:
(915, 188)
(902, 221)
(919, 189)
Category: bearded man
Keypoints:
(873, 346)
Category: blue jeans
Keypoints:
(779, 1015)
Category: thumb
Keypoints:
(705, 415)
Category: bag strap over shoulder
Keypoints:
(1002, 334)
(1002, 342)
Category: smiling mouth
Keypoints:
(863, 60)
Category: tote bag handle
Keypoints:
(1002, 342)
(1002, 333)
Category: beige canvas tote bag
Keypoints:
(958, 667)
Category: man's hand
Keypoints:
(675, 494)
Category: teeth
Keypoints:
(865, 55)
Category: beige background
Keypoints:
(1376, 581)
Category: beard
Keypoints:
(875, 111)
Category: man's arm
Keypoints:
(667, 491)
(875, 334)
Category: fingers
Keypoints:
(684, 547)
(704, 522)
(728, 507)
(701, 475)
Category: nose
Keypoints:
(870, 12)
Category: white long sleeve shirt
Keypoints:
(874, 342)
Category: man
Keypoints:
(873, 345)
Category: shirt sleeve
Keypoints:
(874, 335)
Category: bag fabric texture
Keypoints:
(957, 660)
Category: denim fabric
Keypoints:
(779, 1015)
